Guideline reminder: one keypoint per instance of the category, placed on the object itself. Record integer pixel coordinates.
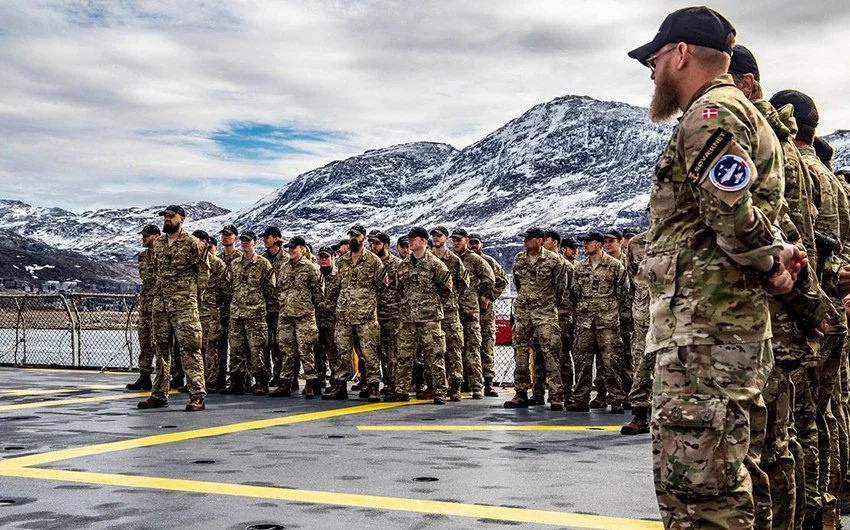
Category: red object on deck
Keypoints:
(504, 336)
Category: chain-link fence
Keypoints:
(504, 350)
(84, 330)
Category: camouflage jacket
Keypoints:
(182, 272)
(388, 302)
(225, 295)
(299, 288)
(482, 283)
(423, 286)
(460, 281)
(251, 284)
(540, 284)
(358, 294)
(326, 310)
(706, 229)
(499, 286)
(599, 292)
(147, 273)
(211, 303)
(277, 262)
(635, 252)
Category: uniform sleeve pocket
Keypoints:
(693, 457)
(659, 272)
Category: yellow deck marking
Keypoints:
(521, 515)
(159, 439)
(488, 428)
(73, 401)
(23, 392)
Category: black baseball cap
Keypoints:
(212, 241)
(328, 251)
(460, 232)
(272, 231)
(403, 241)
(533, 233)
(592, 236)
(700, 26)
(569, 242)
(174, 209)
(629, 232)
(150, 230)
(824, 151)
(805, 110)
(475, 237)
(380, 236)
(230, 229)
(296, 241)
(439, 230)
(248, 234)
(613, 232)
(358, 230)
(845, 173)
(417, 231)
(202, 235)
(743, 62)
(552, 234)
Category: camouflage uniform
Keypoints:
(452, 327)
(356, 314)
(299, 292)
(488, 320)
(481, 285)
(626, 328)
(147, 273)
(251, 284)
(388, 316)
(326, 352)
(211, 321)
(224, 311)
(710, 321)
(182, 272)
(540, 284)
(598, 292)
(423, 287)
(640, 395)
(272, 356)
(566, 321)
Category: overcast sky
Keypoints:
(122, 103)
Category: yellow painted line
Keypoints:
(505, 428)
(159, 439)
(520, 515)
(23, 392)
(76, 401)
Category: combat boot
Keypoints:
(374, 393)
(639, 423)
(282, 391)
(617, 409)
(339, 392)
(439, 400)
(153, 403)
(454, 392)
(578, 407)
(557, 404)
(261, 387)
(425, 393)
(142, 383)
(310, 389)
(519, 401)
(489, 390)
(237, 385)
(598, 403)
(477, 395)
(364, 392)
(393, 397)
(536, 399)
(196, 404)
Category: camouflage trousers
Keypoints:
(388, 350)
(147, 351)
(326, 354)
(453, 331)
(472, 371)
(248, 339)
(627, 365)
(297, 338)
(365, 336)
(565, 364)
(184, 325)
(826, 383)
(211, 328)
(547, 334)
(605, 342)
(272, 354)
(805, 425)
(701, 434)
(640, 395)
(223, 346)
(427, 337)
(488, 345)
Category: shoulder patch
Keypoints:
(730, 174)
(715, 144)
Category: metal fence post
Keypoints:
(73, 324)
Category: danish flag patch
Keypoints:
(710, 112)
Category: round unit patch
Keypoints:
(730, 173)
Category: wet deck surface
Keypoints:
(76, 453)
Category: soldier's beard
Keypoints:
(354, 246)
(169, 228)
(382, 253)
(664, 105)
(326, 270)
